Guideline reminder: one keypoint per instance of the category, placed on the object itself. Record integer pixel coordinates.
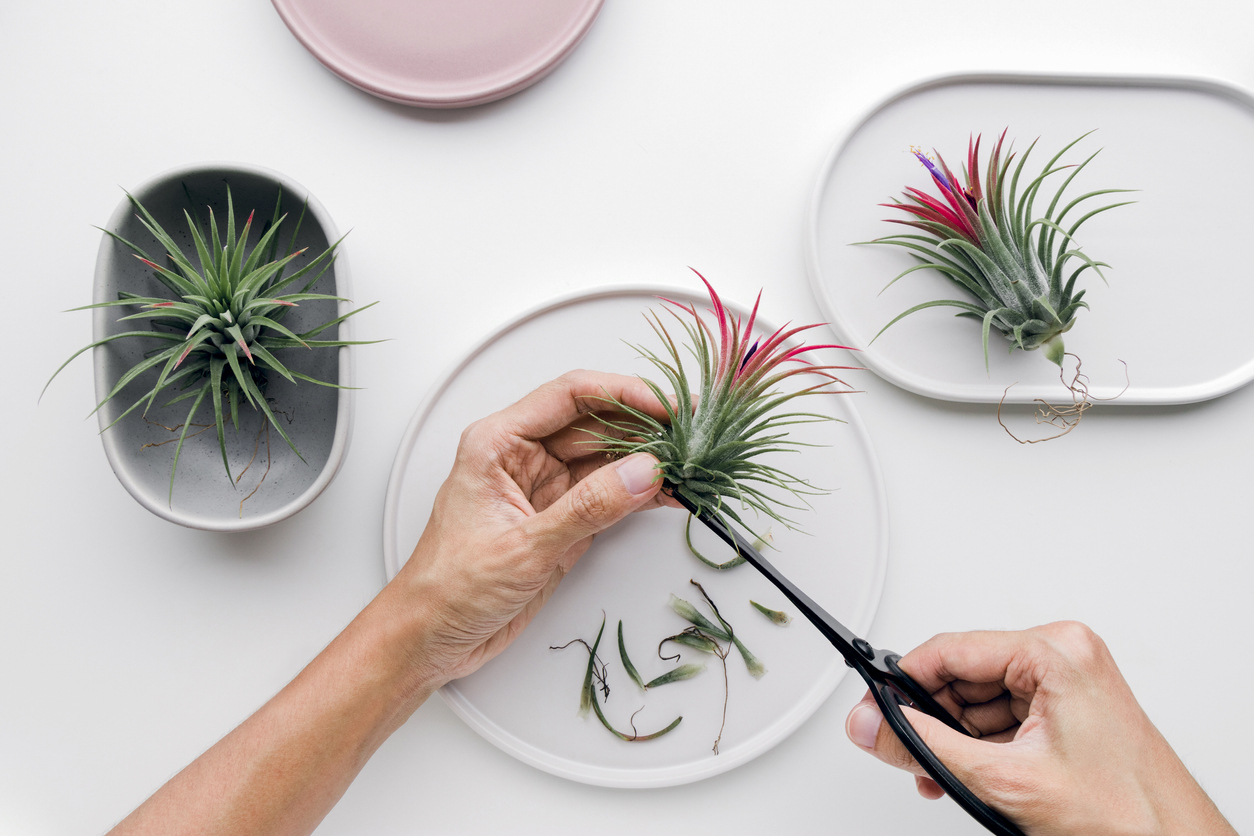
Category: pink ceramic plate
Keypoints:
(440, 53)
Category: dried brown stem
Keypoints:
(599, 670)
(174, 429)
(722, 657)
(721, 652)
(250, 464)
(634, 733)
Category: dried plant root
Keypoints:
(1063, 418)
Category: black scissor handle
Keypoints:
(891, 696)
(891, 686)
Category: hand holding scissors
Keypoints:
(1051, 739)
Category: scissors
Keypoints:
(890, 685)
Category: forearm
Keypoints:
(283, 769)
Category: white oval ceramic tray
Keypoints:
(526, 700)
(1177, 255)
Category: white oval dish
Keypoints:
(321, 417)
(1175, 254)
(440, 53)
(525, 701)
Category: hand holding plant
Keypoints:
(521, 506)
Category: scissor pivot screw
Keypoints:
(864, 647)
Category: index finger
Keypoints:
(559, 402)
(980, 656)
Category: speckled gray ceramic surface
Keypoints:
(318, 419)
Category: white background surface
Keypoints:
(677, 134)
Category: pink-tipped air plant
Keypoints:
(709, 448)
(984, 238)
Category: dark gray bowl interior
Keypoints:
(203, 495)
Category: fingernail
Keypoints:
(638, 473)
(863, 726)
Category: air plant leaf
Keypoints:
(722, 420)
(694, 639)
(776, 616)
(752, 663)
(633, 737)
(227, 307)
(586, 696)
(728, 564)
(693, 616)
(627, 665)
(679, 674)
(985, 240)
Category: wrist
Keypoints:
(1181, 806)
(403, 623)
(1186, 810)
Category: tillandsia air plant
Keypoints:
(717, 429)
(221, 324)
(982, 234)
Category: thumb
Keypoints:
(967, 758)
(596, 502)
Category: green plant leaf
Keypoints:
(627, 665)
(216, 366)
(679, 674)
(178, 450)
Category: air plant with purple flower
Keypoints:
(983, 237)
(709, 448)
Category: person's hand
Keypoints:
(1060, 744)
(521, 505)
(527, 493)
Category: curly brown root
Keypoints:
(1063, 418)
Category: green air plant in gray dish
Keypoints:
(219, 329)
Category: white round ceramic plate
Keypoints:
(1173, 254)
(440, 53)
(526, 700)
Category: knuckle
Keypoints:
(1011, 784)
(473, 437)
(573, 376)
(589, 505)
(1077, 637)
(1075, 643)
(584, 387)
